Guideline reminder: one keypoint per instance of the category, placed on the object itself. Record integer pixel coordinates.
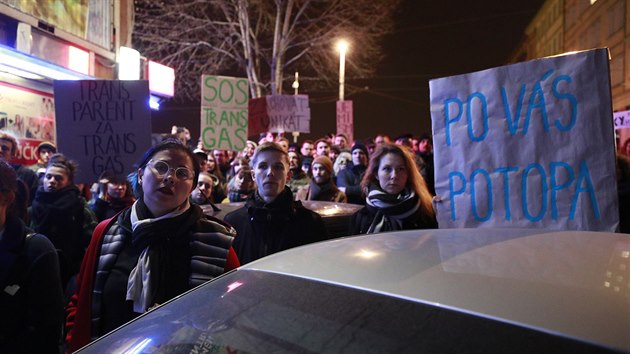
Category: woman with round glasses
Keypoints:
(153, 251)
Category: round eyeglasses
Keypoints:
(161, 168)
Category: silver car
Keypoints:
(433, 291)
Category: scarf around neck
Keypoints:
(151, 234)
(390, 210)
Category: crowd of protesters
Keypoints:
(154, 242)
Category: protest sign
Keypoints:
(527, 145)
(102, 124)
(279, 114)
(257, 116)
(621, 119)
(288, 113)
(224, 112)
(345, 120)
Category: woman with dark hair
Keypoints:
(31, 303)
(60, 213)
(153, 251)
(114, 195)
(220, 190)
(397, 196)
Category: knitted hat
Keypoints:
(325, 162)
(47, 145)
(359, 145)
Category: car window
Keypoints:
(257, 312)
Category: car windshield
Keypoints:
(251, 311)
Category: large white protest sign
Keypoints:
(224, 112)
(527, 145)
(102, 124)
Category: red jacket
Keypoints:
(79, 309)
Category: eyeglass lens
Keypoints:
(162, 169)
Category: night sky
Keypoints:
(431, 39)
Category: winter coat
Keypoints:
(362, 219)
(31, 305)
(208, 242)
(331, 195)
(350, 178)
(263, 229)
(64, 217)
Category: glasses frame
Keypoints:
(151, 164)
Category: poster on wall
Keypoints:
(528, 145)
(103, 124)
(30, 116)
(86, 19)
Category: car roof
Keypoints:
(573, 283)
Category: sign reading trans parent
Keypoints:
(527, 145)
(224, 112)
(102, 124)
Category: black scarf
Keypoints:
(169, 251)
(325, 192)
(55, 214)
(390, 210)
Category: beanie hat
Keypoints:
(47, 145)
(325, 162)
(359, 145)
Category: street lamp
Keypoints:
(342, 47)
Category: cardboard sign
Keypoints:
(224, 112)
(288, 113)
(621, 119)
(257, 116)
(528, 145)
(345, 120)
(102, 124)
(279, 114)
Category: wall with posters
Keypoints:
(28, 114)
(87, 19)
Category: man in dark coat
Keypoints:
(349, 179)
(271, 221)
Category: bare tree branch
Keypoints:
(266, 41)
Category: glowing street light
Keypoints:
(342, 47)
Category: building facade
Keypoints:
(562, 26)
